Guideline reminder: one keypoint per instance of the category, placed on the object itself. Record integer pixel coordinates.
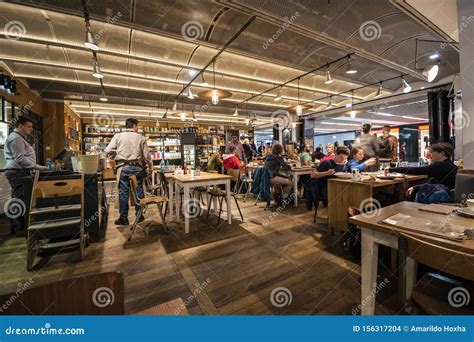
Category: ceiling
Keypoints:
(149, 50)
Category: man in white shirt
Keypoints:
(130, 149)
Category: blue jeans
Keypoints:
(124, 187)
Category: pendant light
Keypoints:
(278, 97)
(190, 94)
(203, 80)
(90, 42)
(175, 106)
(96, 70)
(182, 115)
(214, 94)
(431, 71)
(349, 67)
(236, 111)
(194, 117)
(165, 116)
(103, 98)
(329, 79)
(406, 86)
(379, 91)
(299, 109)
(329, 105)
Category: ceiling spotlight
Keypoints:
(348, 105)
(329, 105)
(103, 98)
(431, 72)
(236, 112)
(192, 72)
(278, 97)
(182, 116)
(203, 81)
(299, 110)
(379, 91)
(329, 79)
(96, 70)
(90, 42)
(247, 121)
(214, 97)
(175, 106)
(406, 86)
(353, 114)
(349, 67)
(190, 94)
(434, 56)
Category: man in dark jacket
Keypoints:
(441, 168)
(275, 163)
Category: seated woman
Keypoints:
(215, 163)
(275, 163)
(231, 161)
(357, 163)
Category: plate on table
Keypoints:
(466, 211)
(397, 175)
(343, 175)
(389, 177)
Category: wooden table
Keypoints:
(375, 233)
(344, 193)
(186, 182)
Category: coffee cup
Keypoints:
(470, 204)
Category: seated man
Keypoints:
(327, 169)
(275, 163)
(305, 156)
(441, 168)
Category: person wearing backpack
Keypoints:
(441, 168)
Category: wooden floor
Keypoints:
(217, 270)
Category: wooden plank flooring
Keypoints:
(227, 270)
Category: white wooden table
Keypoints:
(296, 173)
(375, 233)
(186, 182)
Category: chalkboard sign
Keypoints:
(72, 134)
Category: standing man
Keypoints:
(370, 145)
(130, 149)
(261, 148)
(238, 145)
(389, 146)
(21, 162)
(305, 156)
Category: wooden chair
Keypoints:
(433, 292)
(221, 195)
(61, 220)
(144, 203)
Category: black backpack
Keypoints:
(351, 242)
